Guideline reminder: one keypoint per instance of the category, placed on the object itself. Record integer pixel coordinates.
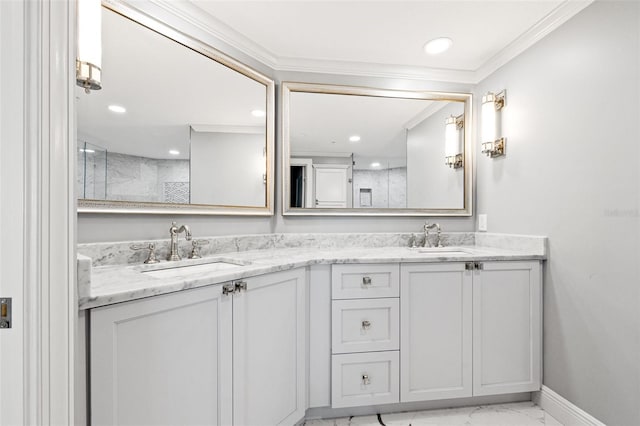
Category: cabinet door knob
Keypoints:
(469, 266)
(365, 379)
(366, 280)
(241, 285)
(228, 289)
(366, 324)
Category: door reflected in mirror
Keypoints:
(351, 150)
(176, 126)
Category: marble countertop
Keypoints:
(105, 285)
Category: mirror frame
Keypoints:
(467, 98)
(198, 46)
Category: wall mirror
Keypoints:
(178, 127)
(355, 151)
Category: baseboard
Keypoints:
(562, 410)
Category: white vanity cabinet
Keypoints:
(507, 327)
(436, 331)
(365, 335)
(269, 350)
(163, 360)
(202, 357)
(470, 329)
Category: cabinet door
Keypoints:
(507, 328)
(269, 350)
(436, 332)
(163, 360)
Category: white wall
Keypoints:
(572, 173)
(431, 183)
(228, 169)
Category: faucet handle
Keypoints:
(152, 251)
(195, 248)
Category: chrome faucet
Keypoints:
(174, 231)
(427, 227)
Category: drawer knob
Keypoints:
(365, 379)
(366, 280)
(366, 324)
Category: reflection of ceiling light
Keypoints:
(375, 164)
(354, 138)
(174, 152)
(87, 150)
(117, 108)
(258, 113)
(438, 45)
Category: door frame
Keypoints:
(307, 164)
(37, 354)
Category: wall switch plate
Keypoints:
(482, 222)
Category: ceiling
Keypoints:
(381, 37)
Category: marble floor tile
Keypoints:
(515, 414)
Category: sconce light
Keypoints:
(89, 59)
(492, 146)
(452, 149)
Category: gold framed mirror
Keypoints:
(360, 151)
(178, 127)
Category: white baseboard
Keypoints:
(562, 410)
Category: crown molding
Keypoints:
(194, 15)
(537, 32)
(368, 69)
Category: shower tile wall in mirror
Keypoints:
(177, 128)
(361, 151)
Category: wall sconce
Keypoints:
(89, 58)
(452, 146)
(492, 146)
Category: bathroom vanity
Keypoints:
(300, 327)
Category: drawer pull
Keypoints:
(366, 324)
(366, 280)
(365, 379)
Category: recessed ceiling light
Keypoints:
(174, 152)
(117, 108)
(438, 45)
(258, 113)
(354, 138)
(375, 164)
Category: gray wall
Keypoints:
(571, 173)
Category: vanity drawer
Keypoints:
(365, 379)
(365, 281)
(365, 325)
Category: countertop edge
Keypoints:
(93, 293)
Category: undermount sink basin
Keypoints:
(443, 251)
(217, 265)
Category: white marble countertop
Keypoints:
(105, 285)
